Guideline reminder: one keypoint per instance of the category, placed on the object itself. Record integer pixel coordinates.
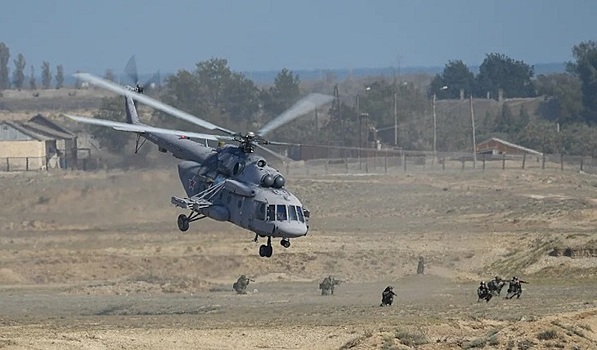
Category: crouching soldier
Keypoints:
(328, 284)
(483, 292)
(387, 296)
(240, 286)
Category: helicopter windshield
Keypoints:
(281, 212)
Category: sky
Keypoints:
(268, 35)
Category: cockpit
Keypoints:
(279, 212)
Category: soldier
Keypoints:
(387, 296)
(240, 286)
(483, 292)
(515, 288)
(421, 266)
(328, 284)
(495, 285)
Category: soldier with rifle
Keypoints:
(387, 296)
(515, 288)
(240, 286)
(483, 292)
(495, 285)
(328, 284)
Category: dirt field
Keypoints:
(95, 261)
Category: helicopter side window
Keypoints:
(271, 212)
(292, 213)
(281, 213)
(299, 211)
(260, 211)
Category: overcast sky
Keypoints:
(259, 35)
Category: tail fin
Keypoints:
(131, 111)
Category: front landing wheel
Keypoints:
(183, 222)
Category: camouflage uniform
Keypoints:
(483, 292)
(240, 286)
(328, 284)
(515, 288)
(387, 296)
(421, 266)
(495, 285)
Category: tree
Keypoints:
(46, 75)
(110, 109)
(32, 84)
(585, 68)
(564, 97)
(501, 72)
(4, 56)
(59, 76)
(284, 93)
(19, 75)
(456, 76)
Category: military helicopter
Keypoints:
(228, 183)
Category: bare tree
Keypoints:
(4, 56)
(46, 75)
(32, 83)
(59, 76)
(19, 73)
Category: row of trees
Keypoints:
(18, 76)
(572, 95)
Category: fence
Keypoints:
(23, 164)
(388, 162)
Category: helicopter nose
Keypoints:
(292, 229)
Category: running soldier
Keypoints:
(421, 266)
(387, 296)
(328, 284)
(495, 285)
(515, 288)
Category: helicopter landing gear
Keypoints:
(266, 250)
(184, 221)
(285, 242)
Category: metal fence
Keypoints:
(389, 162)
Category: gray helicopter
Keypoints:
(228, 183)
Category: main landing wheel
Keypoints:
(266, 250)
(183, 222)
(285, 242)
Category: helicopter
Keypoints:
(228, 183)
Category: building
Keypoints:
(36, 144)
(495, 146)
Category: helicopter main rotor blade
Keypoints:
(142, 128)
(275, 154)
(307, 104)
(108, 85)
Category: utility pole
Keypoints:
(474, 138)
(395, 120)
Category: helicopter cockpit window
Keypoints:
(299, 211)
(292, 213)
(271, 212)
(281, 213)
(238, 168)
(260, 211)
